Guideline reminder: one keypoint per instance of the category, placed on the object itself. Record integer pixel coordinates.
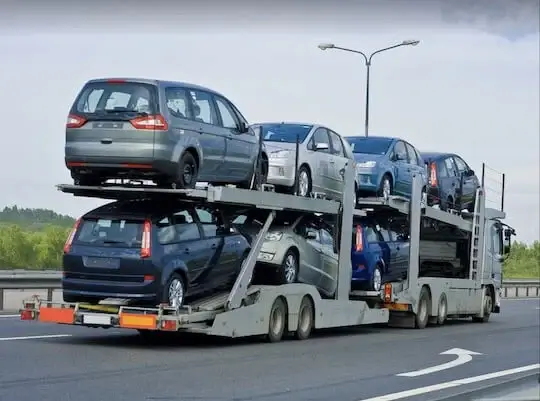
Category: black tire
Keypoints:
(423, 309)
(381, 190)
(88, 180)
(187, 172)
(277, 321)
(175, 278)
(301, 171)
(443, 310)
(290, 260)
(488, 307)
(306, 319)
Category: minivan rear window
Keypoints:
(116, 97)
(110, 232)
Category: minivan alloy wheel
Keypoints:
(176, 293)
(387, 188)
(303, 183)
(376, 279)
(290, 268)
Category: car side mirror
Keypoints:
(470, 173)
(311, 235)
(321, 146)
(397, 157)
(499, 257)
(243, 127)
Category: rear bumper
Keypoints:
(107, 167)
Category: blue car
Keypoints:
(379, 254)
(385, 165)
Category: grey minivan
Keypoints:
(172, 133)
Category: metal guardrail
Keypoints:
(51, 281)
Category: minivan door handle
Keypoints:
(186, 250)
(106, 141)
(213, 246)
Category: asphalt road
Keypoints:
(343, 365)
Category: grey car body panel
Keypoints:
(224, 155)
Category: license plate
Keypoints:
(100, 262)
(103, 320)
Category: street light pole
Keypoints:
(367, 59)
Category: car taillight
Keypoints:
(156, 122)
(146, 243)
(67, 245)
(433, 175)
(359, 242)
(74, 121)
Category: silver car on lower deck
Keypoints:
(322, 156)
(296, 249)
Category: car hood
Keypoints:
(366, 157)
(272, 147)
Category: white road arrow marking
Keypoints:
(463, 356)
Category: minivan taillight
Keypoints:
(359, 242)
(74, 121)
(146, 250)
(67, 245)
(433, 175)
(156, 122)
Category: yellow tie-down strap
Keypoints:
(100, 308)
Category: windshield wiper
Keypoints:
(111, 241)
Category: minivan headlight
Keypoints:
(274, 236)
(280, 154)
(368, 164)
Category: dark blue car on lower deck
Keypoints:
(379, 254)
(149, 252)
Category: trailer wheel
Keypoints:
(422, 312)
(488, 306)
(306, 319)
(277, 320)
(443, 310)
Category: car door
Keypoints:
(210, 137)
(470, 182)
(385, 245)
(338, 160)
(416, 163)
(451, 188)
(310, 251)
(399, 260)
(322, 175)
(329, 267)
(241, 146)
(402, 172)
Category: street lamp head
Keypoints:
(410, 42)
(324, 46)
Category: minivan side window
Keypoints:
(228, 117)
(177, 102)
(337, 147)
(400, 150)
(179, 227)
(203, 107)
(209, 222)
(450, 167)
(413, 159)
(320, 136)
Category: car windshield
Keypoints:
(370, 146)
(107, 231)
(284, 132)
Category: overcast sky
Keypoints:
(470, 87)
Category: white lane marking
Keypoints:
(463, 356)
(453, 383)
(9, 316)
(35, 337)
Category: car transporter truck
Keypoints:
(454, 270)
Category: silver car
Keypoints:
(322, 156)
(296, 249)
(172, 133)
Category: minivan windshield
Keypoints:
(370, 146)
(283, 132)
(110, 98)
(110, 232)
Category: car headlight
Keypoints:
(280, 154)
(273, 236)
(369, 164)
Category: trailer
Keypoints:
(274, 311)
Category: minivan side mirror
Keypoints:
(321, 146)
(243, 127)
(311, 235)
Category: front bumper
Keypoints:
(281, 172)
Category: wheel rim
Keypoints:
(176, 293)
(377, 279)
(423, 310)
(488, 305)
(290, 268)
(303, 183)
(188, 173)
(386, 188)
(305, 318)
(442, 310)
(277, 320)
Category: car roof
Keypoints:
(133, 207)
(158, 82)
(288, 123)
(392, 138)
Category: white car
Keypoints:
(322, 156)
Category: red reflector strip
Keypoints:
(116, 81)
(57, 315)
(27, 315)
(76, 164)
(169, 325)
(141, 166)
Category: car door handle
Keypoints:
(319, 250)
(213, 246)
(106, 141)
(186, 250)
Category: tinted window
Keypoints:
(337, 148)
(441, 169)
(326, 238)
(371, 146)
(228, 118)
(450, 167)
(461, 165)
(413, 159)
(113, 232)
(110, 98)
(401, 151)
(284, 132)
(203, 107)
(210, 221)
(177, 228)
(177, 102)
(320, 136)
(385, 234)
(371, 234)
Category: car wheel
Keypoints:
(443, 310)
(488, 306)
(187, 172)
(306, 319)
(277, 320)
(175, 291)
(422, 312)
(386, 187)
(376, 279)
(305, 184)
(288, 271)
